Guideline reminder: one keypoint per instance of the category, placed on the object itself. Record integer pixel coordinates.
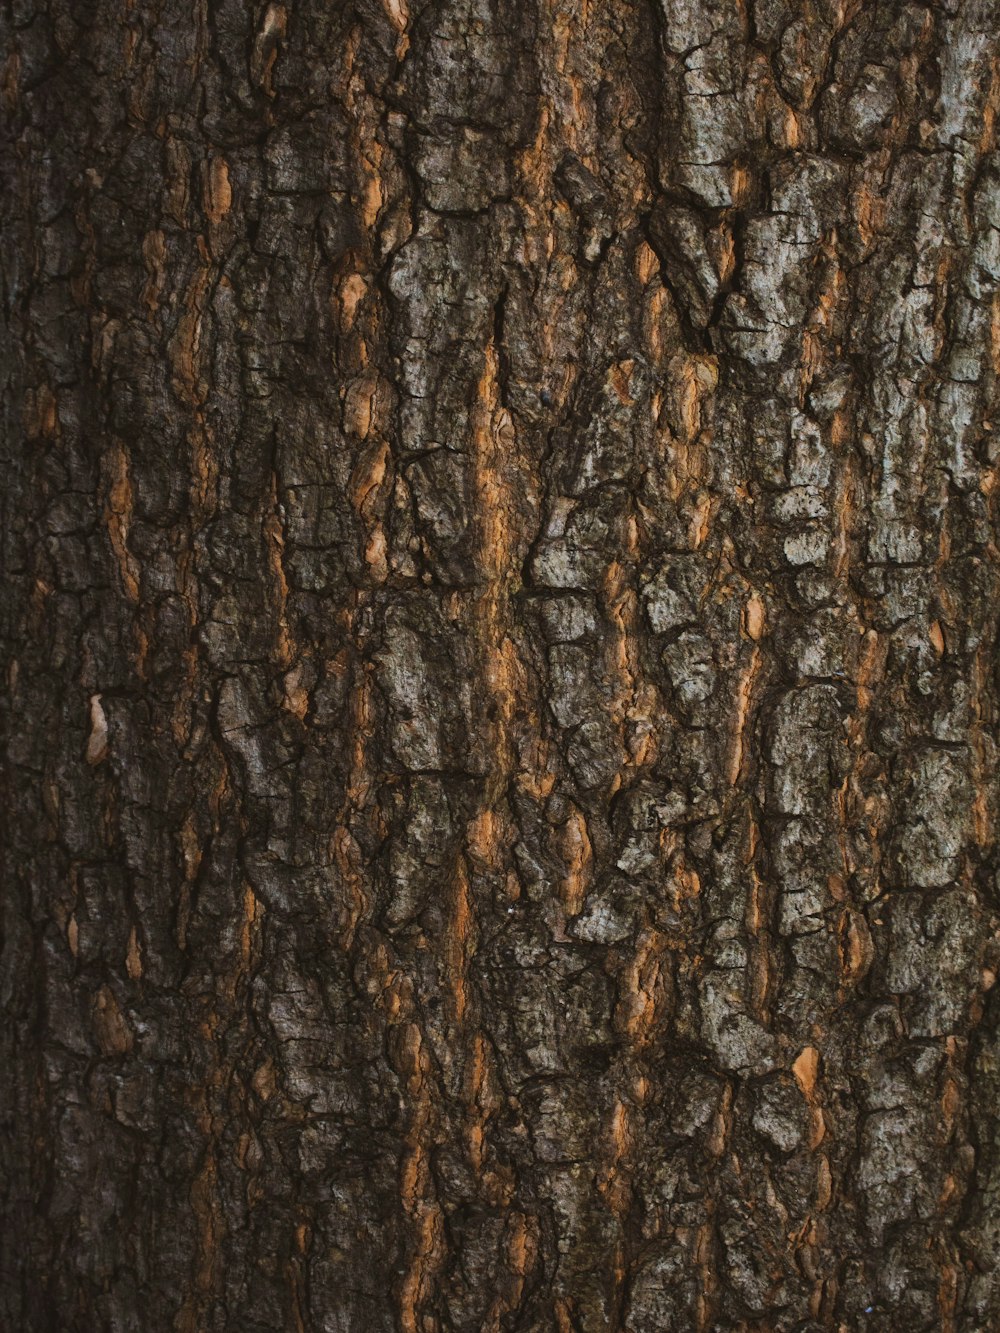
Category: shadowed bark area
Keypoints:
(500, 627)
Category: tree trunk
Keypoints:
(501, 610)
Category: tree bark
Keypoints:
(501, 599)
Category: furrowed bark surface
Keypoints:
(500, 615)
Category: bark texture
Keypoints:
(500, 611)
